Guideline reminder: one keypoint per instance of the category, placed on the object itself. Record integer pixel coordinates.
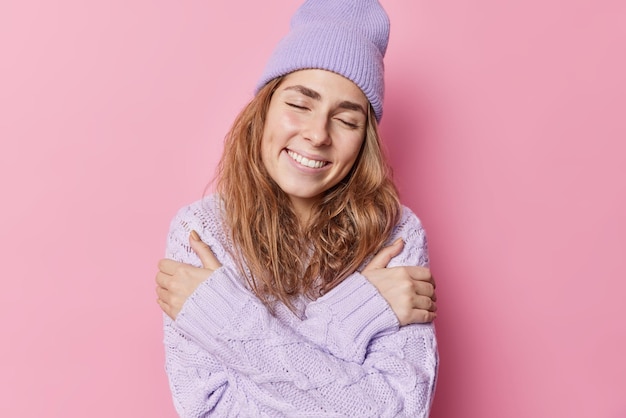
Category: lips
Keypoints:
(306, 161)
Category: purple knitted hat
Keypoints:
(348, 37)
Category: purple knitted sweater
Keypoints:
(341, 355)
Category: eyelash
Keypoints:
(296, 106)
(348, 124)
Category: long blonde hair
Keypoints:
(280, 258)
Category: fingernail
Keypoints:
(194, 235)
(398, 240)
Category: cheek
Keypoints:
(349, 157)
(279, 127)
(289, 122)
(352, 151)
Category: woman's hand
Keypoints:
(410, 291)
(177, 281)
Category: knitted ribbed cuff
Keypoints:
(209, 309)
(358, 313)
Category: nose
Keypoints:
(317, 132)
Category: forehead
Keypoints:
(329, 85)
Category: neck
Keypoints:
(302, 208)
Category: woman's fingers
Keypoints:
(168, 266)
(420, 273)
(177, 281)
(419, 310)
(421, 317)
(424, 303)
(425, 289)
(203, 251)
(166, 308)
(163, 279)
(424, 281)
(409, 291)
(385, 255)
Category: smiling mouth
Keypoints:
(305, 161)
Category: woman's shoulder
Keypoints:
(207, 209)
(412, 232)
(408, 220)
(205, 217)
(202, 215)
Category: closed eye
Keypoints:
(296, 106)
(348, 124)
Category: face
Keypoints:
(313, 133)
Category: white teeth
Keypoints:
(305, 161)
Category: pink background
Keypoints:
(505, 122)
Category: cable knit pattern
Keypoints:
(341, 355)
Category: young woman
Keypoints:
(301, 288)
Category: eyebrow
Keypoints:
(352, 106)
(346, 104)
(306, 91)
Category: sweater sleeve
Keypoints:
(347, 357)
